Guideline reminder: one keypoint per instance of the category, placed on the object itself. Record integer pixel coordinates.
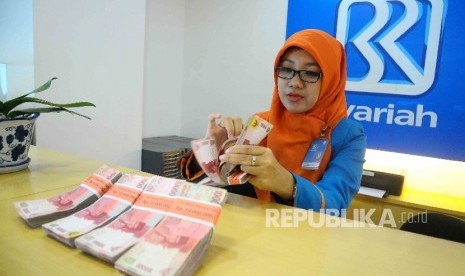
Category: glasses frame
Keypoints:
(320, 75)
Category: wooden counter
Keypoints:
(430, 185)
(242, 243)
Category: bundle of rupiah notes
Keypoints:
(39, 211)
(110, 241)
(145, 225)
(115, 201)
(177, 245)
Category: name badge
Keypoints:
(315, 154)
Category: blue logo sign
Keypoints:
(405, 81)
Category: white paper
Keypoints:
(372, 192)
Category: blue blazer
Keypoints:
(341, 180)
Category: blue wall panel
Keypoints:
(406, 69)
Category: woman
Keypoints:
(308, 112)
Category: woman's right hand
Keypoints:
(229, 127)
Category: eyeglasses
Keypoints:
(304, 75)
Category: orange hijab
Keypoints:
(293, 133)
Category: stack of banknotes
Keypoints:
(110, 241)
(207, 152)
(40, 211)
(144, 225)
(177, 245)
(115, 201)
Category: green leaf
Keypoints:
(14, 103)
(41, 101)
(41, 88)
(27, 111)
(7, 106)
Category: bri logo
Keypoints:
(392, 35)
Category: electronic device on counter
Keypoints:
(392, 183)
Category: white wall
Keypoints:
(152, 67)
(229, 50)
(16, 46)
(164, 61)
(208, 56)
(96, 49)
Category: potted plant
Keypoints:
(17, 126)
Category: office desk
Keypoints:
(430, 185)
(241, 245)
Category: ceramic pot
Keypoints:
(15, 139)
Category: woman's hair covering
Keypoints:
(293, 133)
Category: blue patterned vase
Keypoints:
(15, 139)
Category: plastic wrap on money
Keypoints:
(177, 245)
(115, 201)
(39, 211)
(110, 241)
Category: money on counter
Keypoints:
(177, 245)
(40, 211)
(110, 241)
(115, 201)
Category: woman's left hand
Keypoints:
(265, 171)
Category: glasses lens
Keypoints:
(285, 73)
(309, 76)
